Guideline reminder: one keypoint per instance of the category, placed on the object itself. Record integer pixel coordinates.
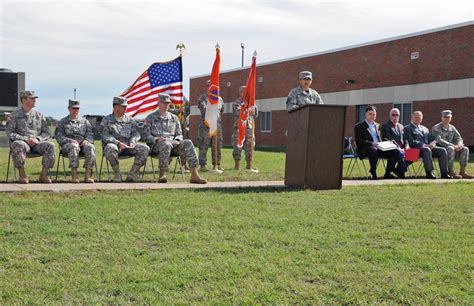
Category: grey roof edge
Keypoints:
(374, 42)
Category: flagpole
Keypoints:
(181, 118)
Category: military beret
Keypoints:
(446, 113)
(306, 75)
(242, 88)
(74, 104)
(120, 101)
(165, 98)
(27, 94)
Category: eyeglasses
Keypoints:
(395, 115)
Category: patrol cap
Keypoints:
(165, 98)
(446, 113)
(120, 101)
(27, 94)
(242, 88)
(74, 104)
(306, 75)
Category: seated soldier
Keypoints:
(162, 132)
(28, 132)
(75, 135)
(120, 135)
(448, 137)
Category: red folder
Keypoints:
(412, 154)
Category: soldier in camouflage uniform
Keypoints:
(203, 139)
(162, 132)
(303, 94)
(120, 135)
(75, 135)
(28, 132)
(447, 136)
(249, 141)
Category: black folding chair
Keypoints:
(62, 156)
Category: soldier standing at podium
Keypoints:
(303, 94)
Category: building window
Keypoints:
(360, 112)
(265, 121)
(405, 112)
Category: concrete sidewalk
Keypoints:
(65, 187)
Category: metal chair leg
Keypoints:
(8, 164)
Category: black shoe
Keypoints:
(430, 176)
(389, 176)
(400, 174)
(374, 175)
(446, 176)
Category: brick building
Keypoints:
(428, 71)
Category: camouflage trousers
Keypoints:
(249, 144)
(462, 154)
(19, 149)
(111, 152)
(72, 151)
(165, 148)
(204, 142)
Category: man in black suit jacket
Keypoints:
(393, 131)
(418, 136)
(367, 134)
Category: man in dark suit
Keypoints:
(418, 136)
(367, 135)
(393, 131)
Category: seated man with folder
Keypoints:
(368, 140)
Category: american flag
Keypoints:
(159, 78)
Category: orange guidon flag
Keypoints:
(214, 100)
(248, 101)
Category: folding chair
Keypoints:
(417, 171)
(350, 152)
(178, 162)
(62, 156)
(121, 155)
(31, 154)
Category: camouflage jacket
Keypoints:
(79, 130)
(202, 105)
(115, 130)
(236, 106)
(446, 136)
(299, 97)
(22, 126)
(157, 126)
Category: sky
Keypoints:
(101, 47)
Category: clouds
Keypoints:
(100, 47)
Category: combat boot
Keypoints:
(454, 175)
(117, 175)
(74, 176)
(464, 174)
(88, 176)
(216, 169)
(195, 178)
(44, 178)
(134, 174)
(162, 178)
(250, 168)
(23, 179)
(237, 165)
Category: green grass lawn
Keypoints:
(386, 244)
(270, 164)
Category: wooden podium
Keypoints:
(315, 146)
